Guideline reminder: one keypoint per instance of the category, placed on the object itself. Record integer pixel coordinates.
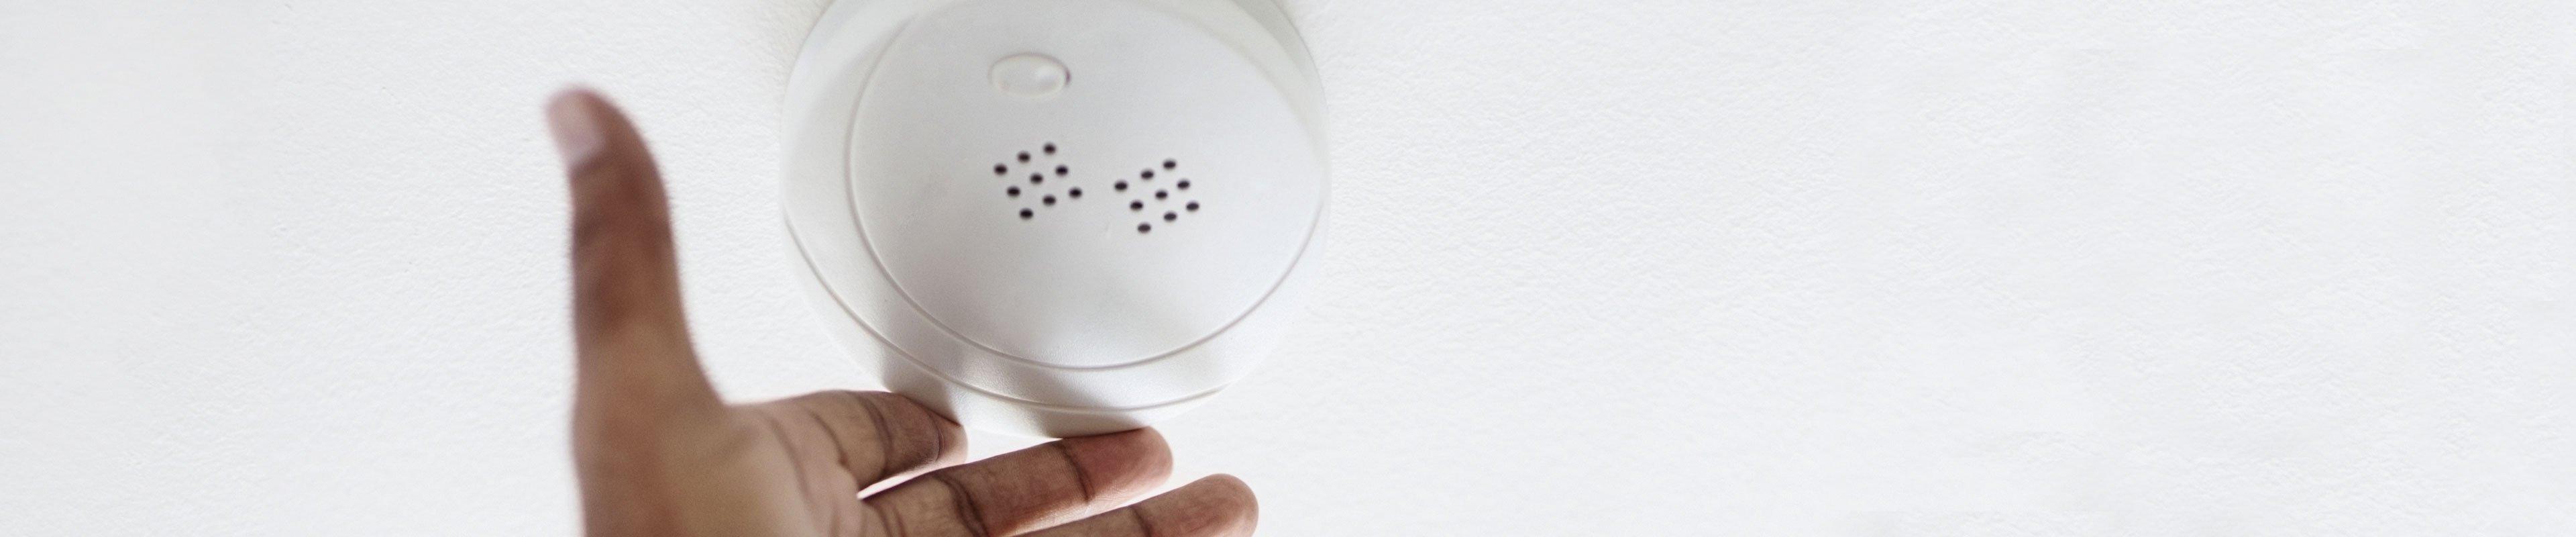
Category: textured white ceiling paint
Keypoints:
(1671, 267)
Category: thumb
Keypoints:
(630, 336)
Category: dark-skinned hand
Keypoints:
(659, 453)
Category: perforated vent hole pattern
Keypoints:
(1039, 181)
(1044, 175)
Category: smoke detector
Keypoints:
(1055, 217)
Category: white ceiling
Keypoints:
(1598, 268)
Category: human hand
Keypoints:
(659, 453)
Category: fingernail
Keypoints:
(575, 122)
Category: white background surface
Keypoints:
(1601, 268)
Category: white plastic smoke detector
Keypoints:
(1055, 217)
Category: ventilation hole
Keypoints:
(1170, 216)
(1162, 194)
(1036, 179)
(1076, 193)
(1122, 186)
(1050, 148)
(1149, 174)
(1049, 200)
(1185, 184)
(1169, 164)
(1013, 191)
(1026, 214)
(1137, 205)
(1144, 228)
(1001, 169)
(1193, 206)
(1024, 156)
(1061, 170)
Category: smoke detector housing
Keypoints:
(1055, 217)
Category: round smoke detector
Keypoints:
(1055, 217)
